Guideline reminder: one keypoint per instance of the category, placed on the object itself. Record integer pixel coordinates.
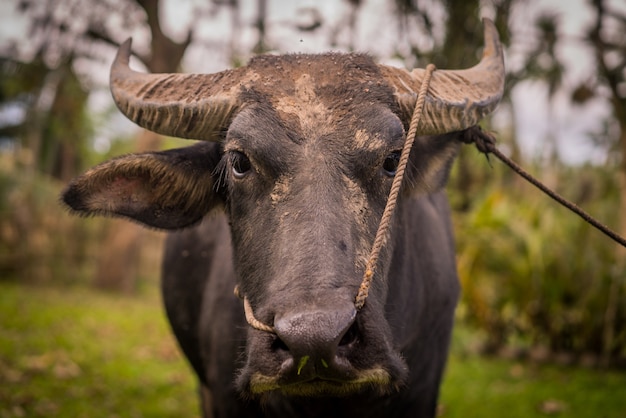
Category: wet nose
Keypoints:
(316, 335)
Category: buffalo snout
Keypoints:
(316, 342)
(321, 348)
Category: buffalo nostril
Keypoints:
(279, 345)
(350, 337)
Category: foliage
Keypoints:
(55, 128)
(41, 243)
(533, 272)
(34, 230)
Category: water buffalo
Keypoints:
(282, 200)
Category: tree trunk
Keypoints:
(462, 37)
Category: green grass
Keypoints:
(80, 353)
(479, 387)
(76, 352)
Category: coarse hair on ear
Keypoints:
(166, 190)
(430, 162)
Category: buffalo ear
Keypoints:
(431, 160)
(167, 190)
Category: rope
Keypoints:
(392, 200)
(250, 318)
(385, 221)
(486, 143)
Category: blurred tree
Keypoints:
(455, 50)
(234, 53)
(527, 286)
(349, 23)
(62, 32)
(512, 290)
(55, 123)
(260, 23)
(515, 306)
(21, 86)
(458, 51)
(606, 36)
(66, 125)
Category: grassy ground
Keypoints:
(478, 387)
(80, 353)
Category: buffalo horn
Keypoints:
(457, 99)
(193, 106)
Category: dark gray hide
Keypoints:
(286, 206)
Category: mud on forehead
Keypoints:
(364, 134)
(310, 97)
(350, 76)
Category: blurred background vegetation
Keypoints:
(538, 283)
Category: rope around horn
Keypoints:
(385, 221)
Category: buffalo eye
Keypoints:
(240, 164)
(390, 166)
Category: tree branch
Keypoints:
(102, 37)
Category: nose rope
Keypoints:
(250, 318)
(385, 220)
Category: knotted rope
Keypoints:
(385, 221)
